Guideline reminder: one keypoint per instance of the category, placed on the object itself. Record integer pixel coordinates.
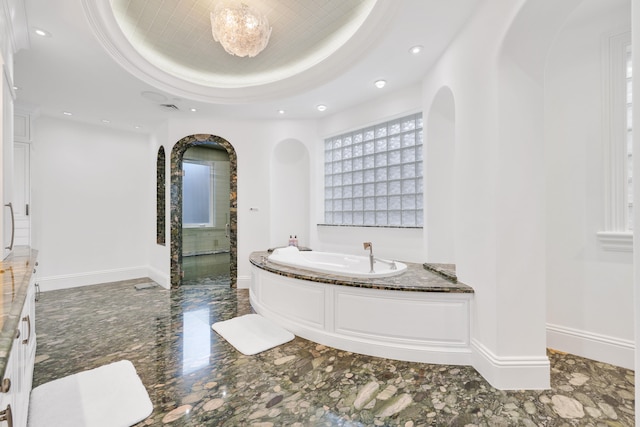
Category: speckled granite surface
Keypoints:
(195, 378)
(416, 278)
(15, 274)
(448, 271)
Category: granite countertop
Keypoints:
(15, 275)
(415, 279)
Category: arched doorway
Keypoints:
(176, 202)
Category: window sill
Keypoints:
(369, 226)
(616, 241)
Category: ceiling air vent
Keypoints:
(169, 106)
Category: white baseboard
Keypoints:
(603, 348)
(511, 373)
(243, 282)
(67, 281)
(161, 278)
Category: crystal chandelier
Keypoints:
(240, 29)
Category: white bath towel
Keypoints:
(109, 396)
(286, 249)
(251, 334)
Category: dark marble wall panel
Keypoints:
(160, 196)
(176, 202)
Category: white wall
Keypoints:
(254, 142)
(290, 198)
(468, 70)
(589, 290)
(635, 28)
(440, 141)
(92, 192)
(160, 255)
(494, 71)
(394, 243)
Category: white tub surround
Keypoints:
(415, 316)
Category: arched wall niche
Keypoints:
(176, 202)
(290, 203)
(440, 172)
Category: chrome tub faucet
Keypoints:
(392, 264)
(368, 245)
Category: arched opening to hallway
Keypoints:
(177, 242)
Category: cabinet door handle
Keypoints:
(13, 226)
(27, 319)
(7, 416)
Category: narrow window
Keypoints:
(373, 176)
(197, 194)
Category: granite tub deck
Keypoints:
(448, 271)
(415, 279)
(300, 383)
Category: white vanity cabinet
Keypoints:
(8, 397)
(15, 387)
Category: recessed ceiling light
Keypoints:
(105, 121)
(416, 49)
(321, 107)
(41, 32)
(193, 110)
(380, 83)
(280, 111)
(137, 126)
(66, 113)
(16, 88)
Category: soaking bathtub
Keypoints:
(414, 315)
(334, 263)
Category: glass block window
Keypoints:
(373, 176)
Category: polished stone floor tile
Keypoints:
(195, 378)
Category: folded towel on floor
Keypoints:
(109, 396)
(250, 334)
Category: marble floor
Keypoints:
(204, 266)
(195, 378)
